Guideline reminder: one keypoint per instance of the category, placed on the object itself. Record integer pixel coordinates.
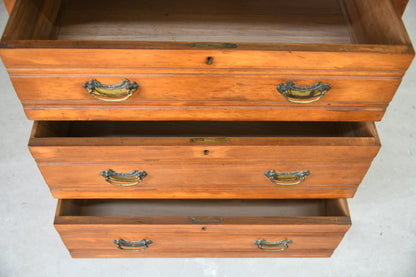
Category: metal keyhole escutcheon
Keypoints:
(210, 60)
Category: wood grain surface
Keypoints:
(49, 97)
(147, 141)
(205, 180)
(389, 49)
(71, 156)
(400, 4)
(319, 21)
(174, 236)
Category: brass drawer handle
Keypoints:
(123, 179)
(287, 179)
(281, 245)
(140, 243)
(303, 95)
(111, 93)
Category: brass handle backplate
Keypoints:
(121, 243)
(111, 93)
(209, 140)
(207, 219)
(123, 179)
(303, 95)
(214, 45)
(276, 246)
(287, 179)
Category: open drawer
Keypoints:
(341, 34)
(203, 159)
(206, 60)
(202, 228)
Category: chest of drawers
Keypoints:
(204, 128)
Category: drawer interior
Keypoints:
(249, 21)
(215, 20)
(231, 208)
(45, 129)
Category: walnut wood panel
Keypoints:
(86, 235)
(204, 180)
(278, 141)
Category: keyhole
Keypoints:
(206, 152)
(210, 60)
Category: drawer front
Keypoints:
(301, 160)
(204, 180)
(48, 38)
(223, 97)
(111, 141)
(358, 36)
(164, 89)
(278, 56)
(201, 244)
(296, 228)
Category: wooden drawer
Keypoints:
(228, 71)
(320, 35)
(202, 228)
(223, 97)
(204, 159)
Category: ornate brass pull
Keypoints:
(123, 179)
(287, 179)
(111, 93)
(281, 245)
(141, 243)
(303, 95)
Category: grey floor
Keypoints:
(381, 242)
